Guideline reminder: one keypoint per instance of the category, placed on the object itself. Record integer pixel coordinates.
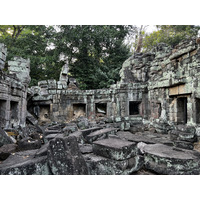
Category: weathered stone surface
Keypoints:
(98, 165)
(170, 160)
(65, 158)
(100, 134)
(115, 149)
(5, 138)
(6, 150)
(86, 132)
(146, 137)
(24, 163)
(86, 148)
(28, 144)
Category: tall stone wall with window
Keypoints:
(13, 90)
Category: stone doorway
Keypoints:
(182, 110)
(197, 111)
(44, 113)
(2, 113)
(79, 110)
(134, 107)
(101, 109)
(14, 113)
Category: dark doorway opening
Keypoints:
(14, 110)
(182, 110)
(44, 112)
(101, 109)
(2, 113)
(197, 111)
(134, 107)
(79, 109)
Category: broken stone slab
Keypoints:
(183, 136)
(171, 160)
(114, 148)
(42, 151)
(6, 150)
(28, 144)
(51, 137)
(70, 129)
(86, 148)
(48, 132)
(146, 137)
(78, 135)
(65, 158)
(183, 144)
(24, 163)
(86, 132)
(100, 134)
(5, 138)
(98, 165)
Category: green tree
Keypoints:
(170, 34)
(32, 42)
(95, 53)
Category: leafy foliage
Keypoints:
(170, 34)
(95, 53)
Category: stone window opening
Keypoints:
(44, 112)
(14, 110)
(101, 109)
(182, 110)
(134, 107)
(79, 110)
(197, 110)
(2, 113)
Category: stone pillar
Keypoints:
(3, 54)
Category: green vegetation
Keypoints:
(94, 53)
(170, 34)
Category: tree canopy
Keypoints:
(94, 53)
(170, 34)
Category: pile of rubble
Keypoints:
(97, 149)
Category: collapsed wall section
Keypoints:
(13, 90)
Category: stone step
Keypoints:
(100, 134)
(164, 159)
(115, 149)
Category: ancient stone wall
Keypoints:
(172, 79)
(13, 90)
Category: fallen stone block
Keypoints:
(100, 134)
(184, 144)
(98, 165)
(65, 158)
(48, 132)
(50, 137)
(90, 130)
(28, 144)
(86, 148)
(5, 138)
(6, 150)
(78, 135)
(24, 163)
(70, 129)
(171, 160)
(114, 148)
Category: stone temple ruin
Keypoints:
(148, 123)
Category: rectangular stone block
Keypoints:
(115, 148)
